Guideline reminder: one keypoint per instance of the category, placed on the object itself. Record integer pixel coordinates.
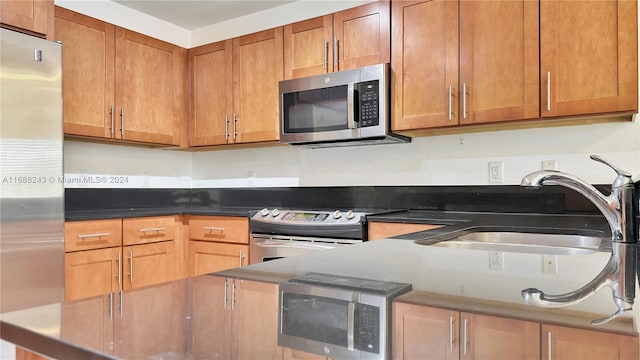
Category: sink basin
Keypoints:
(536, 243)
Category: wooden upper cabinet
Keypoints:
(499, 68)
(362, 36)
(564, 343)
(344, 40)
(88, 71)
(31, 15)
(118, 84)
(150, 88)
(211, 102)
(308, 48)
(589, 57)
(257, 69)
(234, 90)
(424, 63)
(498, 71)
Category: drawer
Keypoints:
(148, 230)
(219, 228)
(92, 234)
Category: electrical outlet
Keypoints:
(251, 178)
(496, 260)
(146, 180)
(550, 264)
(496, 171)
(549, 165)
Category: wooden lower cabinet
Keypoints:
(207, 257)
(421, 332)
(560, 342)
(89, 322)
(243, 314)
(147, 264)
(382, 230)
(91, 272)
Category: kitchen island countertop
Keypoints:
(445, 277)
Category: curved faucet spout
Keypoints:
(618, 209)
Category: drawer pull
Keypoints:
(156, 229)
(84, 236)
(213, 228)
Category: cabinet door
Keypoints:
(150, 88)
(362, 36)
(91, 273)
(89, 323)
(499, 73)
(228, 229)
(206, 257)
(307, 49)
(211, 314)
(381, 230)
(88, 74)
(559, 342)
(491, 337)
(589, 57)
(148, 264)
(421, 332)
(31, 15)
(257, 68)
(255, 321)
(157, 313)
(211, 94)
(424, 63)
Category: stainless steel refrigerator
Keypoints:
(31, 175)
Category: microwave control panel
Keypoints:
(369, 103)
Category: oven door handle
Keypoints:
(295, 244)
(351, 310)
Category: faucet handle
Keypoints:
(620, 172)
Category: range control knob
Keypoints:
(264, 212)
(275, 213)
(337, 214)
(350, 215)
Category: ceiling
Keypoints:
(193, 15)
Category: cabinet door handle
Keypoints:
(131, 267)
(233, 295)
(224, 306)
(548, 90)
(156, 229)
(325, 63)
(84, 236)
(235, 120)
(122, 122)
(113, 121)
(119, 275)
(226, 127)
(549, 345)
(451, 334)
(464, 100)
(336, 57)
(110, 306)
(450, 101)
(213, 228)
(241, 258)
(121, 302)
(464, 338)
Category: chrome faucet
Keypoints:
(618, 209)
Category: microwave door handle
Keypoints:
(351, 309)
(351, 115)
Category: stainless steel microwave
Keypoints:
(336, 316)
(344, 108)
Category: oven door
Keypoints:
(265, 247)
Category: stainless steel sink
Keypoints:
(536, 243)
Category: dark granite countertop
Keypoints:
(79, 215)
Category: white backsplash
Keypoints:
(460, 159)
